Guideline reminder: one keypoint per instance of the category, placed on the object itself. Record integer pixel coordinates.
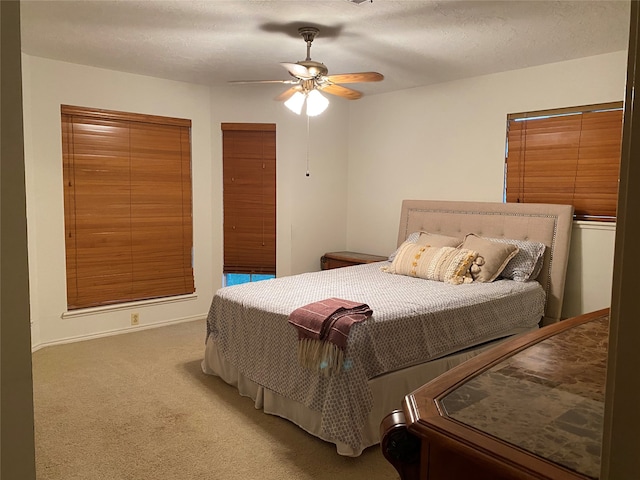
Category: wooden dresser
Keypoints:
(529, 408)
(346, 259)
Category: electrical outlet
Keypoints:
(135, 318)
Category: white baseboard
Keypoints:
(118, 331)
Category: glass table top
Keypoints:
(547, 399)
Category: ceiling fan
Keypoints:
(310, 78)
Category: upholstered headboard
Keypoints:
(546, 223)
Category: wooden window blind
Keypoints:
(127, 202)
(249, 196)
(568, 156)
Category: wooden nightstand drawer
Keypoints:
(346, 259)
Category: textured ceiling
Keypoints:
(411, 42)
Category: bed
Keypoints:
(420, 327)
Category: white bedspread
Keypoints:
(414, 320)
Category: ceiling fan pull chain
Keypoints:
(307, 146)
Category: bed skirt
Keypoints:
(388, 391)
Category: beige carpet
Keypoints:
(138, 407)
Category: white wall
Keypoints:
(311, 212)
(447, 142)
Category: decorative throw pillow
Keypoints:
(443, 264)
(412, 238)
(526, 265)
(437, 240)
(430, 239)
(492, 257)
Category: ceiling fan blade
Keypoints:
(297, 70)
(287, 94)
(341, 91)
(355, 77)
(244, 82)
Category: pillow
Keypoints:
(413, 238)
(430, 239)
(526, 265)
(443, 264)
(492, 257)
(437, 240)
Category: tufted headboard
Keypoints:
(546, 223)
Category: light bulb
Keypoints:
(316, 103)
(295, 102)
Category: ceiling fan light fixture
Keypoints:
(311, 77)
(316, 103)
(296, 102)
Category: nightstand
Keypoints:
(346, 259)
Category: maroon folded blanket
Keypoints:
(323, 330)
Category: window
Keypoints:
(127, 202)
(249, 197)
(238, 278)
(568, 156)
